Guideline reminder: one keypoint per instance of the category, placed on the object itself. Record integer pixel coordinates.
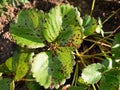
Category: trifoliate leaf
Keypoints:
(116, 47)
(25, 30)
(52, 68)
(91, 74)
(89, 24)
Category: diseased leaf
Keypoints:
(59, 21)
(52, 24)
(91, 74)
(89, 24)
(71, 37)
(52, 68)
(25, 30)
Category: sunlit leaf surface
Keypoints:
(25, 31)
(52, 68)
(91, 74)
(63, 21)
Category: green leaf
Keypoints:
(81, 82)
(91, 74)
(89, 24)
(52, 68)
(108, 63)
(76, 88)
(4, 2)
(58, 20)
(71, 37)
(116, 47)
(33, 85)
(19, 63)
(12, 62)
(6, 84)
(12, 85)
(99, 27)
(110, 80)
(23, 1)
(4, 69)
(23, 64)
(25, 31)
(52, 24)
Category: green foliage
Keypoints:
(91, 74)
(32, 85)
(6, 2)
(110, 80)
(116, 47)
(62, 22)
(48, 43)
(89, 24)
(6, 84)
(52, 68)
(33, 29)
(25, 31)
(76, 88)
(99, 27)
(22, 65)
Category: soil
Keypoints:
(103, 8)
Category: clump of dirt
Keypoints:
(104, 9)
(6, 44)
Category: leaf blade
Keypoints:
(55, 67)
(25, 30)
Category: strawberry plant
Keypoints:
(47, 49)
